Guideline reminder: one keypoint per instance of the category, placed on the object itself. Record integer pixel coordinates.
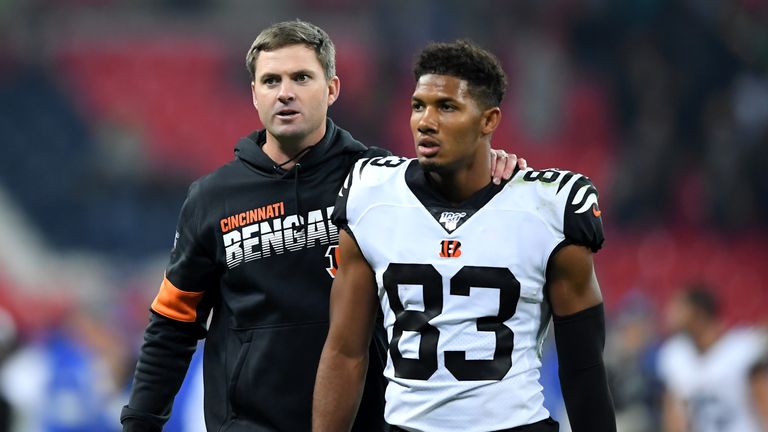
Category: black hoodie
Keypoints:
(254, 254)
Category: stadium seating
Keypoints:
(181, 94)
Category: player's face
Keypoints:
(292, 95)
(679, 315)
(446, 122)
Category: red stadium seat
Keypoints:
(173, 91)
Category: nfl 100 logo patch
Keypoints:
(450, 220)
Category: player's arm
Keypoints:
(577, 303)
(344, 361)
(673, 418)
(758, 382)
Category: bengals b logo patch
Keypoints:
(450, 249)
(333, 259)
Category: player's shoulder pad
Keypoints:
(372, 152)
(366, 174)
(573, 199)
(370, 172)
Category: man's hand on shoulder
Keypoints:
(504, 165)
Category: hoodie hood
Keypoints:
(336, 147)
(335, 142)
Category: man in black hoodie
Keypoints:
(255, 254)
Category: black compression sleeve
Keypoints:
(163, 362)
(580, 339)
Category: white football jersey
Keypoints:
(462, 288)
(714, 384)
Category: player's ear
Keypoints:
(253, 95)
(490, 120)
(334, 87)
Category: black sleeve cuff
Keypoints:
(136, 421)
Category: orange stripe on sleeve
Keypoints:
(176, 304)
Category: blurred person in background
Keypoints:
(66, 378)
(758, 379)
(8, 345)
(705, 367)
(630, 359)
(255, 254)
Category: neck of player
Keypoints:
(707, 335)
(457, 185)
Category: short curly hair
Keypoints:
(296, 32)
(703, 298)
(465, 60)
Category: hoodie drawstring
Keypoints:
(302, 221)
(301, 153)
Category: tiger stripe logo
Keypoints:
(450, 249)
(586, 198)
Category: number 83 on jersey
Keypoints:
(408, 319)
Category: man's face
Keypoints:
(679, 315)
(292, 95)
(446, 123)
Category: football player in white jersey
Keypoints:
(709, 371)
(468, 273)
